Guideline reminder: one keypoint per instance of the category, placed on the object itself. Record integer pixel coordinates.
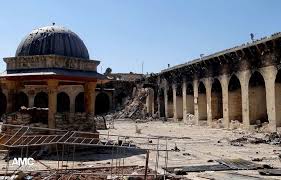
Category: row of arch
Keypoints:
(256, 96)
(63, 102)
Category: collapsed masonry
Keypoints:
(38, 117)
(135, 108)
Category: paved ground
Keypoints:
(196, 146)
(204, 144)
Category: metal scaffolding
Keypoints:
(13, 136)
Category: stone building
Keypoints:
(51, 69)
(242, 83)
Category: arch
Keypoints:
(41, 100)
(63, 102)
(216, 100)
(21, 100)
(234, 99)
(102, 103)
(80, 102)
(202, 102)
(3, 103)
(189, 98)
(257, 99)
(278, 98)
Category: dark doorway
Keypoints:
(21, 100)
(63, 102)
(102, 103)
(3, 103)
(80, 102)
(41, 100)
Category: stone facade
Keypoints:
(242, 84)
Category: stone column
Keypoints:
(166, 99)
(208, 85)
(158, 101)
(152, 101)
(224, 84)
(269, 74)
(244, 77)
(184, 110)
(72, 103)
(174, 87)
(196, 108)
(90, 96)
(52, 104)
(11, 96)
(31, 100)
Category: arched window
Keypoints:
(21, 100)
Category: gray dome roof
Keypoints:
(52, 40)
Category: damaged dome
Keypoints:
(52, 40)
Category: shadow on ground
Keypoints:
(71, 153)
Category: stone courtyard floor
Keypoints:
(195, 146)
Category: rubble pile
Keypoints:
(101, 122)
(235, 124)
(16, 118)
(190, 119)
(33, 117)
(270, 138)
(217, 123)
(75, 121)
(135, 108)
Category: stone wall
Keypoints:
(216, 105)
(50, 61)
(189, 104)
(202, 106)
(179, 107)
(235, 105)
(257, 104)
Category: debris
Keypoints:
(179, 171)
(138, 130)
(235, 124)
(224, 165)
(271, 138)
(270, 172)
(135, 108)
(217, 123)
(257, 159)
(176, 149)
(190, 119)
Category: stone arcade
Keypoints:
(242, 84)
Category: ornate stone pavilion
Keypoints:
(51, 69)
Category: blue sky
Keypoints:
(124, 33)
